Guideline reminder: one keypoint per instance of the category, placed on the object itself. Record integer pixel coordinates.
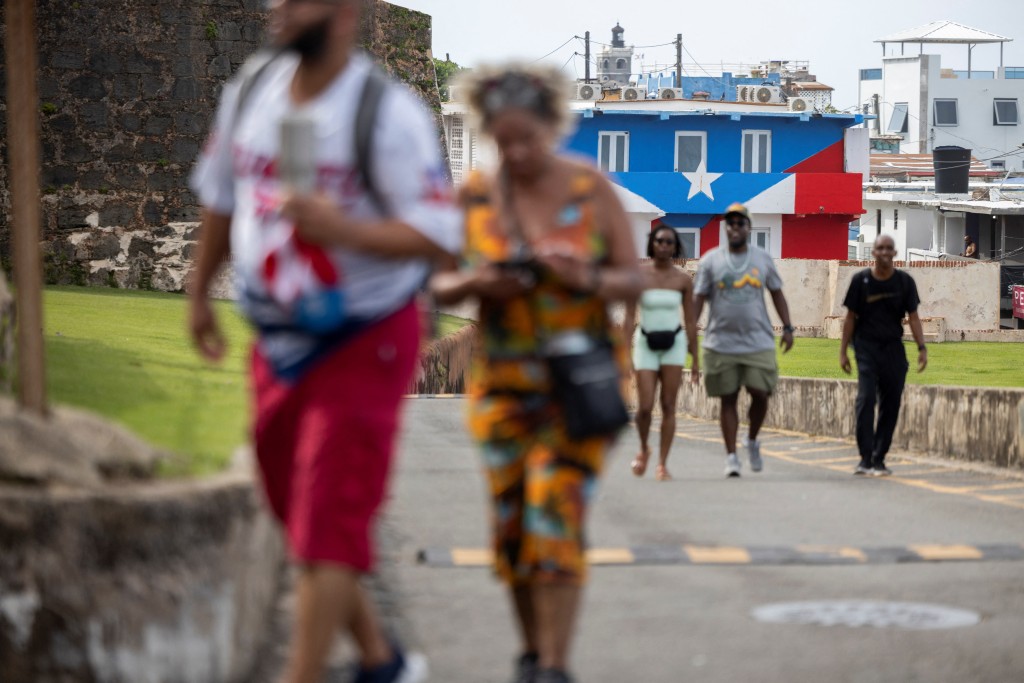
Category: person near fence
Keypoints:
(328, 275)
(739, 343)
(666, 332)
(876, 302)
(548, 246)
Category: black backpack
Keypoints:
(366, 116)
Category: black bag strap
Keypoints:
(366, 116)
(678, 329)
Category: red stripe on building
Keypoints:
(832, 159)
(709, 235)
(817, 236)
(820, 193)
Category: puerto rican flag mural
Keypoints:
(800, 192)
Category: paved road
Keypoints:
(686, 562)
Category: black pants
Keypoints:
(881, 374)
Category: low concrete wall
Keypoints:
(169, 582)
(973, 424)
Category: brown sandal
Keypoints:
(661, 473)
(639, 464)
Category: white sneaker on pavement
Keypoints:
(732, 465)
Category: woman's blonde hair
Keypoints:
(540, 90)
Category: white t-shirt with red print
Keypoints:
(302, 297)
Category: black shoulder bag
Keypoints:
(660, 340)
(584, 375)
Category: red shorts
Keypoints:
(325, 443)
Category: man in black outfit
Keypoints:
(876, 302)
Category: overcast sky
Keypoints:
(836, 38)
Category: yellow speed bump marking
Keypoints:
(610, 556)
(844, 552)
(472, 557)
(947, 552)
(717, 554)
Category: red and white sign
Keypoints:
(1018, 301)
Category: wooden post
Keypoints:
(23, 152)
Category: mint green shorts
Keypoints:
(725, 373)
(645, 359)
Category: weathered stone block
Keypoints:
(87, 87)
(93, 180)
(119, 153)
(183, 66)
(137, 63)
(152, 212)
(152, 151)
(68, 59)
(188, 251)
(229, 30)
(49, 88)
(131, 123)
(141, 247)
(161, 181)
(219, 67)
(61, 123)
(130, 178)
(253, 31)
(117, 214)
(163, 231)
(103, 246)
(188, 123)
(105, 63)
(126, 87)
(154, 86)
(57, 176)
(157, 125)
(185, 89)
(77, 152)
(184, 150)
(94, 116)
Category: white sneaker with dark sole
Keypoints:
(754, 453)
(732, 465)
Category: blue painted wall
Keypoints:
(721, 88)
(652, 140)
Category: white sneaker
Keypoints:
(754, 453)
(415, 669)
(732, 465)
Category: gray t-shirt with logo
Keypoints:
(734, 287)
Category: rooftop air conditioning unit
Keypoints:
(633, 93)
(767, 94)
(800, 104)
(588, 91)
(670, 93)
(741, 93)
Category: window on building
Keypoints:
(620, 63)
(757, 151)
(944, 113)
(613, 151)
(1013, 72)
(691, 150)
(759, 237)
(870, 74)
(998, 165)
(895, 220)
(604, 65)
(1005, 113)
(690, 239)
(898, 122)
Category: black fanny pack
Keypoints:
(661, 340)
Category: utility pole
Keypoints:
(586, 57)
(679, 60)
(878, 116)
(23, 152)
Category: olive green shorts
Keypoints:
(725, 373)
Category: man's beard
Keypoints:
(311, 43)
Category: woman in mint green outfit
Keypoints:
(667, 330)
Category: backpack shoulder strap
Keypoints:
(366, 118)
(255, 66)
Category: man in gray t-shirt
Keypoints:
(739, 343)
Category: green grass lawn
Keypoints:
(958, 364)
(125, 355)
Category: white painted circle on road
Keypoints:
(867, 614)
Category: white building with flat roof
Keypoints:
(929, 106)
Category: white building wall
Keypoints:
(909, 228)
(917, 81)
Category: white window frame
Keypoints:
(703, 148)
(696, 241)
(898, 109)
(610, 167)
(756, 232)
(935, 112)
(995, 111)
(756, 162)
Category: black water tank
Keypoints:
(952, 169)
